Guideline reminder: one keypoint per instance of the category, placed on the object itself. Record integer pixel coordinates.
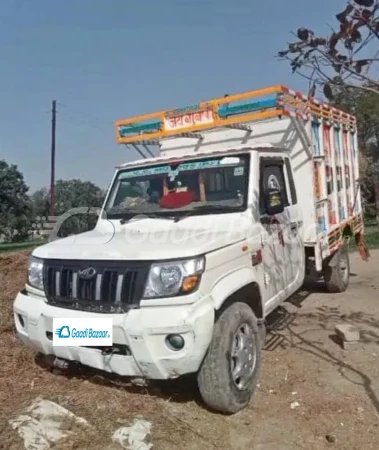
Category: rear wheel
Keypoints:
(337, 275)
(229, 373)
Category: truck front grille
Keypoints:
(109, 287)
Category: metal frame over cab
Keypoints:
(327, 134)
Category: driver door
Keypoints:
(275, 254)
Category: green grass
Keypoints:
(20, 246)
(372, 237)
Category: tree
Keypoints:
(365, 107)
(14, 203)
(348, 57)
(40, 203)
(70, 194)
(76, 193)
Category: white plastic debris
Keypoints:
(42, 424)
(135, 437)
(295, 405)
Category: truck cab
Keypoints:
(191, 252)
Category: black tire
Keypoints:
(215, 380)
(337, 276)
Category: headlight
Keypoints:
(174, 278)
(35, 273)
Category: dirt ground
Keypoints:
(336, 390)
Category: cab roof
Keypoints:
(162, 159)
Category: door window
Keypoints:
(272, 177)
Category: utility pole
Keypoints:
(52, 179)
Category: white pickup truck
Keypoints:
(194, 248)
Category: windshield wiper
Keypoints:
(197, 210)
(140, 216)
(204, 209)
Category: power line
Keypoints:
(82, 122)
(85, 114)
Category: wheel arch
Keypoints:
(332, 260)
(240, 286)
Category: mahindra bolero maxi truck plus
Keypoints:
(194, 248)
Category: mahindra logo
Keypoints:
(87, 274)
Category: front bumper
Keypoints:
(142, 330)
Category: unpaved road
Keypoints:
(337, 391)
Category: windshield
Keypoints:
(187, 187)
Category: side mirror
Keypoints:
(273, 202)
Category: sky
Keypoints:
(103, 60)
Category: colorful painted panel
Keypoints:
(317, 179)
(321, 219)
(326, 141)
(316, 138)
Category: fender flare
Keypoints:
(232, 283)
(332, 261)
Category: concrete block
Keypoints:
(347, 333)
(348, 345)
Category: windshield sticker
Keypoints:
(172, 173)
(238, 171)
(160, 170)
(230, 161)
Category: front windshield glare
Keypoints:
(214, 184)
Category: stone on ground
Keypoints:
(347, 333)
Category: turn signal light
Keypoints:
(190, 283)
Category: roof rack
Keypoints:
(230, 111)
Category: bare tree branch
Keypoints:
(347, 57)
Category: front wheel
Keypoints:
(337, 275)
(229, 373)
